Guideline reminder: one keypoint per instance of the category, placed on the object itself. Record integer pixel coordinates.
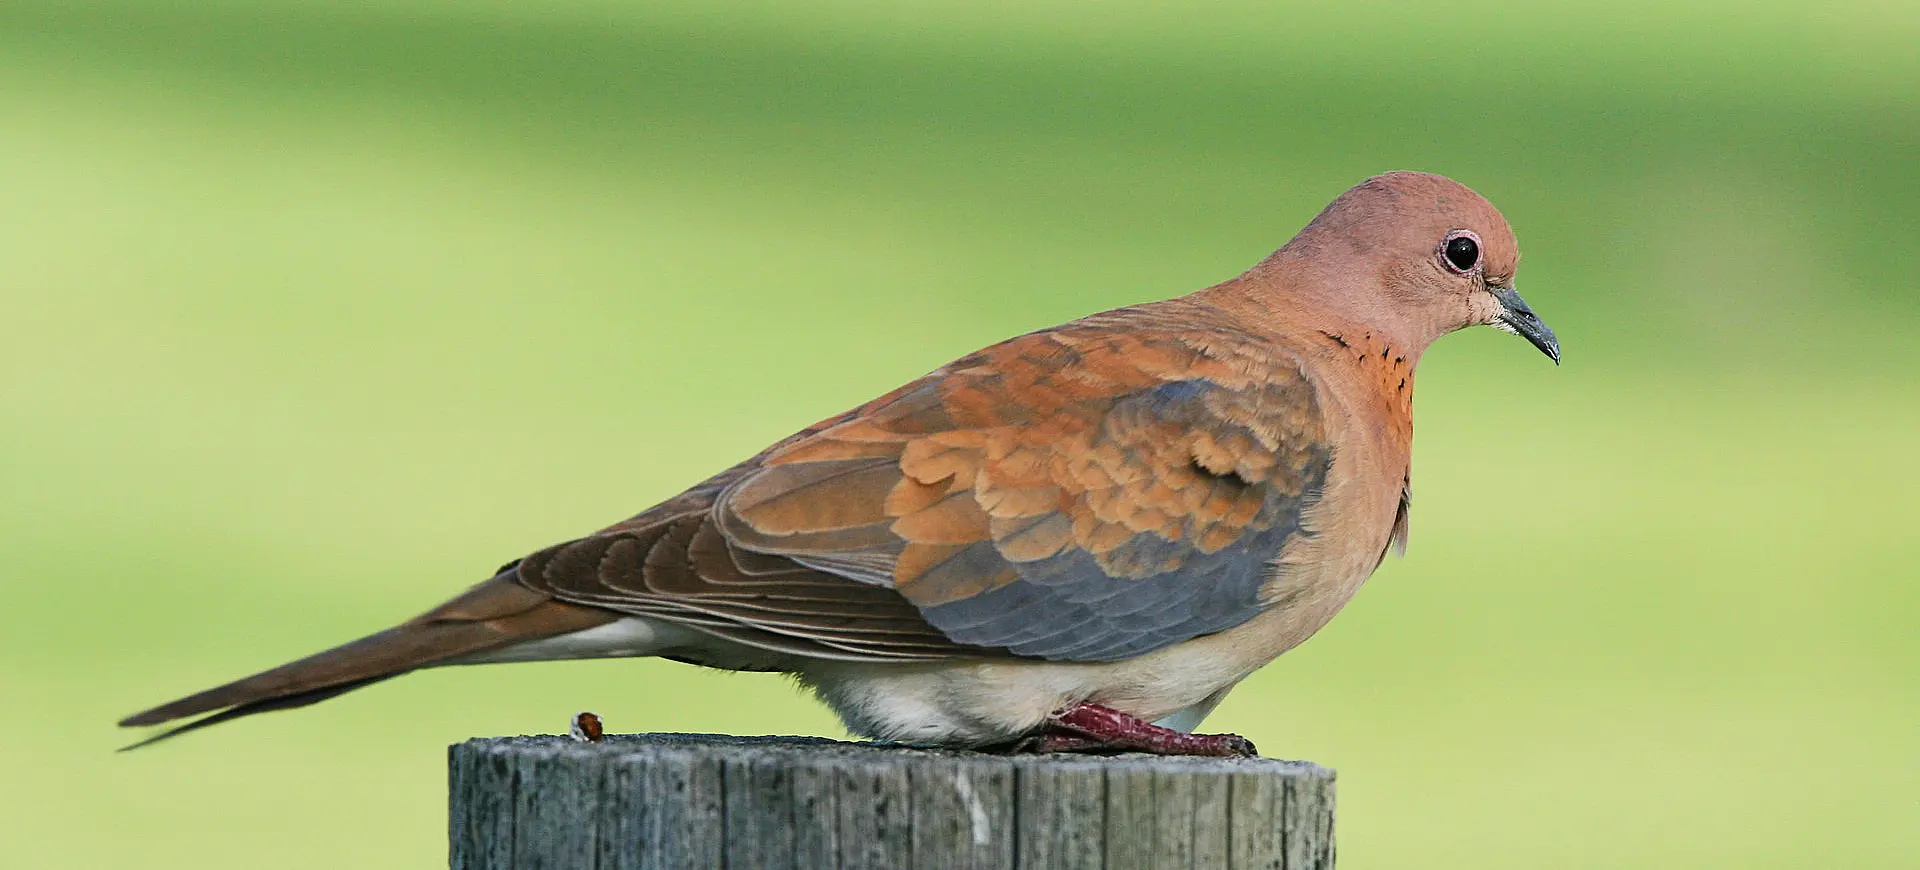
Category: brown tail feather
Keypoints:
(284, 702)
(497, 613)
(388, 653)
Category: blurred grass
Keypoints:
(315, 315)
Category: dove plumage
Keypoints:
(1133, 510)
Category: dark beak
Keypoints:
(1517, 318)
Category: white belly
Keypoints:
(972, 703)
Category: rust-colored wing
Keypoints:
(1087, 493)
(683, 571)
(671, 562)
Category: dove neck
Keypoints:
(1291, 298)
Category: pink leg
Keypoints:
(1093, 728)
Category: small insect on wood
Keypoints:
(586, 728)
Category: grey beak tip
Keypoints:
(1519, 318)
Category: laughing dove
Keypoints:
(1053, 542)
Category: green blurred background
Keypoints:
(315, 313)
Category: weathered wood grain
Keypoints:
(658, 801)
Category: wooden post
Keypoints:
(703, 801)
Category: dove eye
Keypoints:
(1461, 251)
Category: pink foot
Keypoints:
(1093, 728)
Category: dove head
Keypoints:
(1411, 254)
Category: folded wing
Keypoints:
(1079, 494)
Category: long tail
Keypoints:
(497, 613)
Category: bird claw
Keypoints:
(1094, 729)
(1059, 741)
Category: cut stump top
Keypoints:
(700, 800)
